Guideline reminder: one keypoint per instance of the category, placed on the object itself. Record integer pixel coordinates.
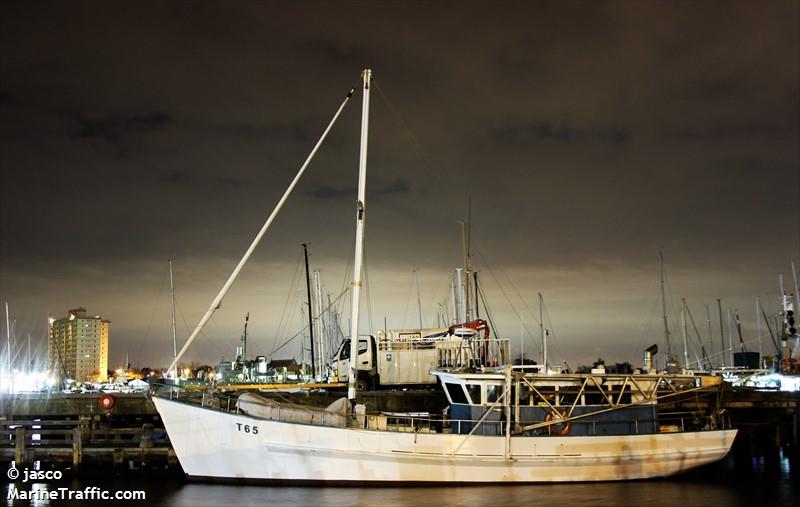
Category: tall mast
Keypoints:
(174, 331)
(462, 309)
(244, 337)
(463, 281)
(453, 283)
(710, 337)
(730, 336)
(664, 305)
(721, 334)
(477, 309)
(796, 290)
(8, 342)
(310, 311)
(323, 331)
(758, 330)
(215, 303)
(359, 248)
(419, 298)
(742, 346)
(685, 339)
(541, 331)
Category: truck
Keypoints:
(404, 357)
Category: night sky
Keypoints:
(589, 135)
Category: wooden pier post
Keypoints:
(119, 458)
(77, 446)
(146, 438)
(19, 441)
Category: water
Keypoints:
(741, 479)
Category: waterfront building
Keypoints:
(78, 346)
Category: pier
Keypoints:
(74, 429)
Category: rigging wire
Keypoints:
(305, 327)
(150, 322)
(279, 329)
(508, 300)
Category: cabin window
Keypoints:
(345, 350)
(362, 346)
(492, 392)
(474, 391)
(456, 393)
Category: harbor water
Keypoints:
(744, 478)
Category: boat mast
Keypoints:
(453, 298)
(730, 335)
(8, 342)
(359, 247)
(710, 332)
(244, 338)
(664, 305)
(758, 331)
(721, 334)
(541, 331)
(323, 334)
(310, 311)
(685, 339)
(477, 308)
(419, 299)
(172, 296)
(215, 303)
(796, 289)
(464, 278)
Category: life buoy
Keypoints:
(565, 428)
(106, 401)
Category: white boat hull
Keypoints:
(219, 445)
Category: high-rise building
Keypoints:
(78, 346)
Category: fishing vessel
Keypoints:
(501, 424)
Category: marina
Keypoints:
(384, 253)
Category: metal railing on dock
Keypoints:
(81, 440)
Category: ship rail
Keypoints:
(663, 422)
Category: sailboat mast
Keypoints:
(541, 331)
(419, 298)
(664, 305)
(730, 336)
(685, 339)
(310, 311)
(359, 247)
(710, 332)
(323, 331)
(721, 334)
(796, 289)
(464, 278)
(758, 330)
(172, 296)
(8, 341)
(244, 337)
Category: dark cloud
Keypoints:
(397, 186)
(115, 128)
(543, 132)
(733, 131)
(589, 136)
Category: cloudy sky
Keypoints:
(589, 136)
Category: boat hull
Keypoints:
(211, 444)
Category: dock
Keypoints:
(74, 429)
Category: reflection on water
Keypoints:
(740, 479)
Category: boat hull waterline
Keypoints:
(212, 444)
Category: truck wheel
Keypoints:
(363, 384)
